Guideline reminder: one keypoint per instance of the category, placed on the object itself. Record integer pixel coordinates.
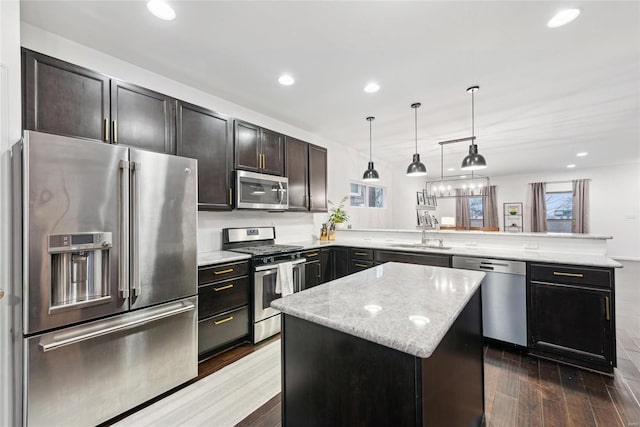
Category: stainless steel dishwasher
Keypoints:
(504, 297)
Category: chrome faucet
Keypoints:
(425, 240)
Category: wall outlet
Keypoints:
(530, 245)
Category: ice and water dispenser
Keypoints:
(79, 269)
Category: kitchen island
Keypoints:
(397, 344)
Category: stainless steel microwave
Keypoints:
(261, 191)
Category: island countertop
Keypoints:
(406, 307)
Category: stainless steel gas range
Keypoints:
(259, 242)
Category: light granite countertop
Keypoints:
(490, 233)
(219, 257)
(406, 307)
(478, 251)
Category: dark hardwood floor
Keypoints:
(527, 391)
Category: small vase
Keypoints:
(341, 226)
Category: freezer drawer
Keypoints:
(85, 375)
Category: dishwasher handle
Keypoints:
(490, 265)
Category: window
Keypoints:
(559, 211)
(476, 212)
(376, 197)
(357, 195)
(361, 195)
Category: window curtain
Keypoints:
(490, 206)
(580, 221)
(463, 215)
(537, 206)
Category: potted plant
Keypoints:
(338, 217)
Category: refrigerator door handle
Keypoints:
(90, 331)
(123, 280)
(135, 223)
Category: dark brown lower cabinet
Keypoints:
(340, 262)
(356, 265)
(413, 258)
(325, 265)
(218, 331)
(312, 274)
(572, 322)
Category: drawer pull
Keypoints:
(361, 265)
(606, 307)
(559, 273)
(318, 265)
(228, 270)
(219, 322)
(311, 254)
(361, 253)
(223, 288)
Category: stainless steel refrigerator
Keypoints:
(106, 259)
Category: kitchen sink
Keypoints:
(418, 246)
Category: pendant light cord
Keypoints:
(416, 127)
(473, 131)
(370, 150)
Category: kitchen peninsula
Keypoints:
(397, 344)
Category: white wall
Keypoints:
(10, 124)
(615, 202)
(344, 164)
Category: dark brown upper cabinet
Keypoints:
(207, 136)
(63, 98)
(297, 171)
(142, 118)
(258, 149)
(317, 178)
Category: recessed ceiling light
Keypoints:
(563, 18)
(161, 9)
(584, 153)
(372, 87)
(571, 166)
(286, 80)
(451, 169)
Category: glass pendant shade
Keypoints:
(370, 174)
(473, 161)
(416, 168)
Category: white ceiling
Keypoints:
(545, 94)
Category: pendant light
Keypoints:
(370, 174)
(416, 168)
(473, 161)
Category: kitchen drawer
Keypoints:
(222, 272)
(311, 255)
(361, 254)
(412, 258)
(557, 273)
(357, 265)
(222, 296)
(217, 331)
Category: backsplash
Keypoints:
(290, 226)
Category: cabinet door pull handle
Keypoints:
(230, 196)
(311, 254)
(361, 253)
(318, 265)
(559, 273)
(228, 270)
(115, 131)
(106, 129)
(606, 308)
(218, 322)
(361, 265)
(223, 288)
(264, 161)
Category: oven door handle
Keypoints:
(270, 266)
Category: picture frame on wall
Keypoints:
(420, 196)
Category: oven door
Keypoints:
(260, 191)
(265, 287)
